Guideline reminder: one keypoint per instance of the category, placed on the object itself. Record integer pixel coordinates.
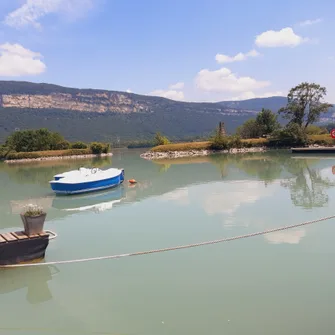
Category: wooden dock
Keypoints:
(17, 247)
(314, 150)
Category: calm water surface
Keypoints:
(280, 283)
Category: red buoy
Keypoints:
(132, 181)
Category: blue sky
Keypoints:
(199, 50)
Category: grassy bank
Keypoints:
(188, 146)
(324, 140)
(16, 156)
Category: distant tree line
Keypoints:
(33, 140)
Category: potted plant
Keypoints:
(33, 218)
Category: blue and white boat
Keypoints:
(86, 180)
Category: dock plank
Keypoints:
(2, 239)
(20, 235)
(33, 236)
(9, 237)
(43, 233)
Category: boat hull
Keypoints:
(86, 187)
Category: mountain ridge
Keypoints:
(97, 114)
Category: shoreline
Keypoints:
(150, 155)
(26, 160)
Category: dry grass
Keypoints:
(253, 142)
(49, 153)
(324, 139)
(182, 146)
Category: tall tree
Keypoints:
(267, 121)
(249, 129)
(305, 104)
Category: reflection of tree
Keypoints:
(308, 186)
(164, 167)
(265, 167)
(221, 162)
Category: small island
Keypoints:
(304, 108)
(42, 144)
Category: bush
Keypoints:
(161, 140)
(96, 148)
(79, 145)
(226, 142)
(291, 135)
(63, 145)
(34, 140)
(106, 148)
(4, 151)
(315, 130)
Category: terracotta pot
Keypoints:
(33, 224)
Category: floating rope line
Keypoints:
(187, 246)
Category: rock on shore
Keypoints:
(193, 153)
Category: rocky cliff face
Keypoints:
(95, 102)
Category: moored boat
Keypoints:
(86, 180)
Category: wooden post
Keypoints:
(222, 129)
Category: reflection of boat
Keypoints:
(86, 180)
(85, 201)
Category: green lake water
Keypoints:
(280, 283)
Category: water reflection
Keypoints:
(302, 177)
(34, 279)
(307, 187)
(42, 172)
(286, 236)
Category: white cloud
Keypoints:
(177, 86)
(220, 58)
(309, 22)
(285, 37)
(173, 92)
(223, 80)
(33, 10)
(226, 198)
(290, 237)
(169, 94)
(15, 60)
(251, 95)
(180, 195)
(128, 91)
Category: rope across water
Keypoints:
(227, 239)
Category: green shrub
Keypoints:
(315, 130)
(33, 140)
(106, 148)
(78, 145)
(96, 148)
(221, 142)
(291, 135)
(63, 145)
(161, 140)
(4, 151)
